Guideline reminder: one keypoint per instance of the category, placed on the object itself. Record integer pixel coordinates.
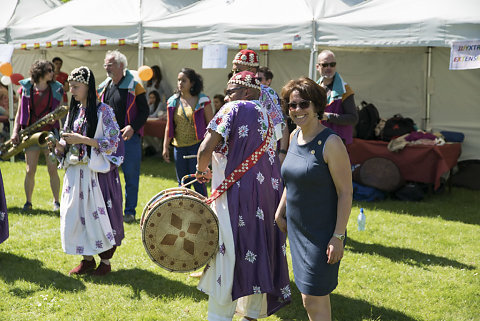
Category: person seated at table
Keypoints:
(155, 107)
(152, 145)
(158, 84)
(188, 114)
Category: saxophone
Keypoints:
(30, 135)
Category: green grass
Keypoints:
(415, 261)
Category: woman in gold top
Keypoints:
(188, 114)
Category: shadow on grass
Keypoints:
(343, 309)
(19, 210)
(156, 167)
(17, 268)
(404, 255)
(153, 284)
(461, 205)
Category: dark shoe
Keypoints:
(84, 267)
(27, 207)
(56, 206)
(102, 269)
(128, 218)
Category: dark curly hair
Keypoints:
(308, 90)
(39, 69)
(195, 79)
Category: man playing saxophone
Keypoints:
(40, 95)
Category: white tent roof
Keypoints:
(94, 20)
(14, 11)
(254, 22)
(402, 23)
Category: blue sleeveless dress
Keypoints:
(311, 214)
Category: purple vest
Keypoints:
(57, 94)
(198, 115)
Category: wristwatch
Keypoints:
(341, 237)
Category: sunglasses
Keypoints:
(331, 64)
(230, 92)
(49, 70)
(304, 104)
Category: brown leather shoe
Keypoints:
(84, 267)
(102, 269)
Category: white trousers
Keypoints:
(252, 306)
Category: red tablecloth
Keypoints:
(417, 163)
(155, 127)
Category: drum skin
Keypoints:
(179, 231)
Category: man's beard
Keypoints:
(328, 76)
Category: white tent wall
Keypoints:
(456, 102)
(390, 78)
(285, 65)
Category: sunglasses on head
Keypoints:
(331, 64)
(304, 104)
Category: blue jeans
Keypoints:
(187, 166)
(131, 172)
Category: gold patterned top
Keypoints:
(184, 126)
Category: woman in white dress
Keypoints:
(90, 150)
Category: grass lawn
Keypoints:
(415, 261)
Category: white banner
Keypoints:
(465, 55)
(214, 56)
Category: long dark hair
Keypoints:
(91, 108)
(156, 78)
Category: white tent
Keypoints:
(385, 49)
(96, 25)
(110, 20)
(14, 11)
(402, 23)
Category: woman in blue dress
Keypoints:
(317, 198)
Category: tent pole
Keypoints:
(428, 92)
(10, 113)
(313, 51)
(140, 45)
(265, 53)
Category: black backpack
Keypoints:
(368, 119)
(397, 126)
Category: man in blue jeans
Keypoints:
(129, 102)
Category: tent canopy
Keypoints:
(94, 19)
(230, 22)
(409, 23)
(14, 11)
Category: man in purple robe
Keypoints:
(249, 274)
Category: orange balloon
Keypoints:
(145, 73)
(16, 78)
(6, 69)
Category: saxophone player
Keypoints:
(40, 95)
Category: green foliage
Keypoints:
(415, 261)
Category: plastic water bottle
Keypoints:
(361, 220)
